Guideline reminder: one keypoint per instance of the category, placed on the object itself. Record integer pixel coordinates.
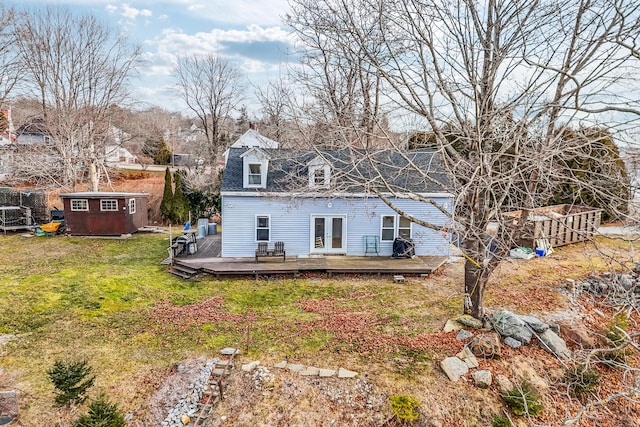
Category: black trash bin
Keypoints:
(404, 248)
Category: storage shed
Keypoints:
(560, 224)
(104, 213)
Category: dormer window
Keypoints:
(255, 174)
(318, 177)
(319, 173)
(255, 164)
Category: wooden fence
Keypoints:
(559, 224)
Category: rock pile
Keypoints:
(515, 330)
(620, 288)
(187, 406)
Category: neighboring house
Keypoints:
(308, 201)
(251, 138)
(33, 131)
(6, 157)
(104, 213)
(115, 154)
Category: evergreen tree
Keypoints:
(101, 413)
(180, 205)
(70, 381)
(159, 150)
(166, 206)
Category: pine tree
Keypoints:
(70, 381)
(180, 205)
(166, 206)
(102, 413)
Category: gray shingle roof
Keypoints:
(351, 171)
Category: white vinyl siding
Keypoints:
(108, 205)
(79, 204)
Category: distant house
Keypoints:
(33, 131)
(104, 213)
(116, 154)
(252, 138)
(308, 201)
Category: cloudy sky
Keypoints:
(248, 32)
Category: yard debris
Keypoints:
(485, 345)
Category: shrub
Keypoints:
(616, 337)
(405, 407)
(101, 413)
(581, 379)
(71, 381)
(500, 421)
(522, 399)
(167, 196)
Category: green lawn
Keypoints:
(111, 302)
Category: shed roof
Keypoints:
(102, 195)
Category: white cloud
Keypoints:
(128, 12)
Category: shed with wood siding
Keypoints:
(104, 213)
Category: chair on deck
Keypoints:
(278, 249)
(262, 250)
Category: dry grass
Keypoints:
(110, 302)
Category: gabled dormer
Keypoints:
(319, 173)
(255, 164)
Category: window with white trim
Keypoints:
(263, 228)
(318, 177)
(404, 228)
(79, 205)
(108, 205)
(132, 206)
(392, 226)
(388, 232)
(255, 174)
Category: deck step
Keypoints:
(185, 269)
(180, 273)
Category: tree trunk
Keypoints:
(474, 285)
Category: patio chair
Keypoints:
(278, 249)
(262, 250)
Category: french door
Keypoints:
(328, 234)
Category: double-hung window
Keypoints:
(255, 174)
(393, 226)
(263, 228)
(132, 206)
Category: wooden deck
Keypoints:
(207, 260)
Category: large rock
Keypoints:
(575, 332)
(467, 356)
(452, 325)
(511, 325)
(536, 324)
(454, 368)
(482, 378)
(469, 321)
(554, 344)
(504, 383)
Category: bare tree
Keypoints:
(12, 68)
(212, 89)
(496, 83)
(343, 89)
(78, 69)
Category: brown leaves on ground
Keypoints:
(363, 329)
(165, 314)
